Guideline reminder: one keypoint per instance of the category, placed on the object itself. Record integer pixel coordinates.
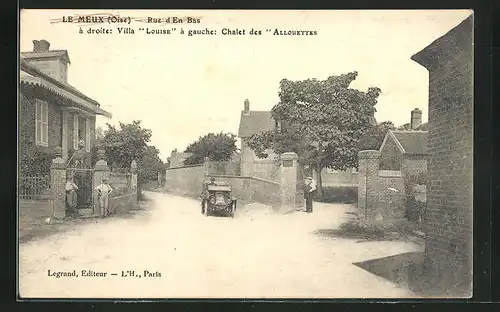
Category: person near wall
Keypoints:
(71, 196)
(309, 189)
(204, 193)
(103, 191)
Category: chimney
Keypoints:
(246, 107)
(416, 118)
(41, 46)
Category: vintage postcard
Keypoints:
(245, 154)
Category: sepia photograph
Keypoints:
(245, 154)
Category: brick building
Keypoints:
(52, 112)
(448, 250)
(406, 150)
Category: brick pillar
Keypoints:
(288, 182)
(101, 171)
(368, 163)
(58, 185)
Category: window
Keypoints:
(87, 134)
(42, 123)
(75, 131)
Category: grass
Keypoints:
(361, 230)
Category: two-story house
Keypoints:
(52, 113)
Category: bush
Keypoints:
(415, 210)
(35, 160)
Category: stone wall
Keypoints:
(391, 192)
(252, 189)
(123, 203)
(185, 180)
(338, 178)
(224, 167)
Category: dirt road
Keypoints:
(255, 255)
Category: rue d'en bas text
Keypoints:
(107, 24)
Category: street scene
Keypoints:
(199, 257)
(197, 154)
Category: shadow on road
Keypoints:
(403, 269)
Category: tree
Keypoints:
(374, 137)
(217, 147)
(149, 165)
(322, 121)
(125, 144)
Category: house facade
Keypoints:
(406, 150)
(448, 248)
(254, 122)
(177, 159)
(52, 112)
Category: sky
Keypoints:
(182, 87)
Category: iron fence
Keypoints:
(34, 187)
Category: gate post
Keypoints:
(58, 184)
(101, 171)
(133, 180)
(368, 163)
(288, 182)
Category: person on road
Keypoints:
(71, 197)
(204, 193)
(309, 189)
(103, 191)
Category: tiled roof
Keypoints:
(254, 122)
(31, 75)
(51, 53)
(413, 142)
(423, 127)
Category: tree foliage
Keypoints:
(323, 121)
(126, 143)
(217, 147)
(374, 137)
(130, 142)
(149, 165)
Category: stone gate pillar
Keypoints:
(206, 166)
(133, 171)
(288, 182)
(368, 163)
(58, 185)
(101, 171)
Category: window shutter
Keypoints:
(75, 131)
(45, 123)
(38, 132)
(87, 134)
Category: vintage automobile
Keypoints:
(220, 200)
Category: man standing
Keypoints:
(103, 191)
(309, 188)
(71, 197)
(204, 193)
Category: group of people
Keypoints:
(103, 190)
